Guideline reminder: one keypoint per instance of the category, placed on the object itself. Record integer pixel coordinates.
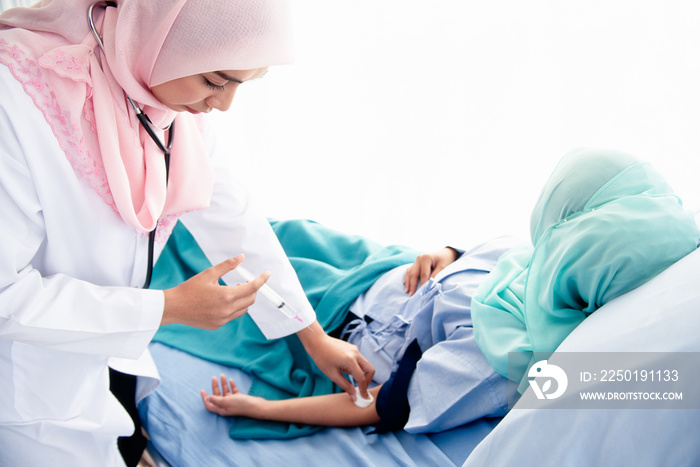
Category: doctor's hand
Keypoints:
(202, 302)
(335, 357)
(427, 266)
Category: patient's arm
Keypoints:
(427, 266)
(327, 410)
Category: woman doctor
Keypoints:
(102, 149)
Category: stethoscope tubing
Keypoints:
(147, 125)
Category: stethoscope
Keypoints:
(147, 125)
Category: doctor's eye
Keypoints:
(213, 86)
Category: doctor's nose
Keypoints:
(221, 101)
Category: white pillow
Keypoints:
(662, 315)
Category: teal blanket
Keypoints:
(333, 269)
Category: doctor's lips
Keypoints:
(196, 112)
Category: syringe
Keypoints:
(272, 296)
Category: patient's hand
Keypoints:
(427, 266)
(229, 401)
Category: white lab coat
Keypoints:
(70, 296)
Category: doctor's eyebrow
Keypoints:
(235, 80)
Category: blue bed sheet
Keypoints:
(184, 433)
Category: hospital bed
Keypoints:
(663, 315)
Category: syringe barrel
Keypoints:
(267, 292)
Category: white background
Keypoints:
(433, 123)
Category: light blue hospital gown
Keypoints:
(453, 383)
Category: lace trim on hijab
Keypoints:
(66, 63)
(71, 62)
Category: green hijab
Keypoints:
(604, 224)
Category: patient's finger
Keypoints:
(215, 386)
(224, 385)
(207, 404)
(425, 270)
(410, 280)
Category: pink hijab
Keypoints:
(82, 92)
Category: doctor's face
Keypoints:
(205, 91)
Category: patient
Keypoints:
(427, 336)
(439, 332)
